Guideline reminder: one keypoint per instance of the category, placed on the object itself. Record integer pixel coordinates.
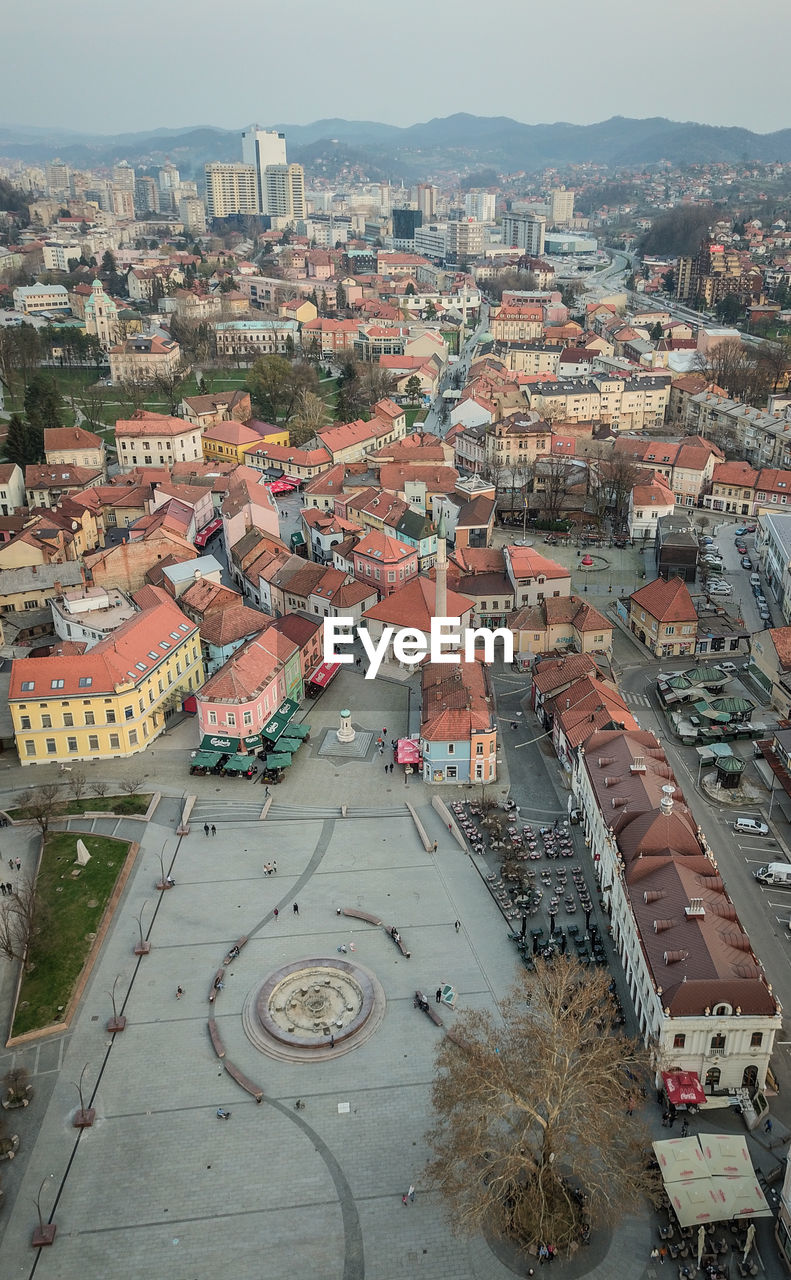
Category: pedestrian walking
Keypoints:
(435, 846)
(275, 913)
(11, 863)
(654, 1253)
(332, 1042)
(18, 864)
(543, 1254)
(357, 661)
(274, 866)
(384, 733)
(768, 1127)
(266, 793)
(457, 925)
(684, 1128)
(385, 768)
(213, 829)
(439, 995)
(391, 767)
(2, 886)
(381, 749)
(10, 888)
(662, 1255)
(206, 828)
(179, 992)
(404, 1200)
(411, 1193)
(296, 908)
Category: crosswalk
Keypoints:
(636, 699)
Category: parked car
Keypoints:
(729, 667)
(747, 562)
(720, 589)
(755, 580)
(750, 528)
(754, 827)
(740, 531)
(741, 548)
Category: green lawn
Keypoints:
(414, 415)
(93, 804)
(71, 911)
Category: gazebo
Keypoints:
(729, 771)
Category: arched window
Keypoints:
(750, 1077)
(712, 1080)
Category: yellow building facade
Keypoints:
(111, 701)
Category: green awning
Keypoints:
(300, 731)
(734, 706)
(239, 764)
(278, 760)
(275, 728)
(205, 760)
(225, 745)
(705, 675)
(289, 744)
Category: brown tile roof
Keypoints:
(57, 438)
(781, 639)
(554, 673)
(527, 563)
(740, 473)
(666, 601)
(454, 701)
(235, 622)
(143, 423)
(413, 605)
(204, 597)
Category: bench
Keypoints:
(425, 1004)
(219, 1047)
(241, 1079)
(235, 949)
(361, 915)
(393, 933)
(216, 985)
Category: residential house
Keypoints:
(45, 485)
(126, 565)
(557, 624)
(676, 547)
(732, 488)
(248, 505)
(276, 460)
(413, 606)
(384, 563)
(75, 447)
(12, 488)
(231, 441)
(112, 701)
(663, 617)
(151, 439)
(244, 694)
(535, 577)
(458, 723)
(248, 340)
(706, 1008)
(142, 359)
(770, 666)
(207, 411)
(647, 503)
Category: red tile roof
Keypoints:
(666, 601)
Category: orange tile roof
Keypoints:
(456, 701)
(144, 423)
(231, 432)
(57, 438)
(666, 601)
(413, 605)
(527, 563)
(115, 661)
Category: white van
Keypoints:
(774, 873)
(750, 827)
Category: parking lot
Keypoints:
(741, 598)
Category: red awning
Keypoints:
(683, 1088)
(323, 674)
(208, 530)
(407, 751)
(281, 486)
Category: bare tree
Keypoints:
(19, 920)
(776, 360)
(739, 370)
(131, 783)
(99, 788)
(533, 1111)
(553, 475)
(171, 386)
(77, 783)
(310, 417)
(42, 805)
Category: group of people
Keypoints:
(207, 829)
(270, 868)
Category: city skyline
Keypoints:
(660, 72)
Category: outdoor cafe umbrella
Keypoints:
(748, 1244)
(701, 1242)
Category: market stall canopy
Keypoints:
(683, 1087)
(278, 760)
(206, 759)
(733, 706)
(698, 1184)
(407, 751)
(300, 731)
(726, 1154)
(680, 1159)
(324, 673)
(275, 727)
(239, 764)
(289, 744)
(705, 675)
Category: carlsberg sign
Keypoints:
(447, 642)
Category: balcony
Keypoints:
(716, 1053)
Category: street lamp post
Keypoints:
(118, 1020)
(44, 1233)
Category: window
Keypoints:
(93, 742)
(28, 685)
(114, 742)
(90, 718)
(46, 722)
(756, 1040)
(133, 737)
(248, 717)
(129, 713)
(57, 684)
(451, 771)
(679, 1041)
(110, 715)
(24, 722)
(717, 1044)
(231, 719)
(51, 748)
(212, 717)
(479, 748)
(30, 747)
(451, 748)
(71, 744)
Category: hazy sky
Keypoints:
(108, 66)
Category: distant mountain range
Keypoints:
(455, 144)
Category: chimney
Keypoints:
(695, 909)
(666, 803)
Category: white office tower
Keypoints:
(263, 148)
(480, 205)
(124, 177)
(561, 207)
(169, 177)
(230, 189)
(525, 231)
(284, 190)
